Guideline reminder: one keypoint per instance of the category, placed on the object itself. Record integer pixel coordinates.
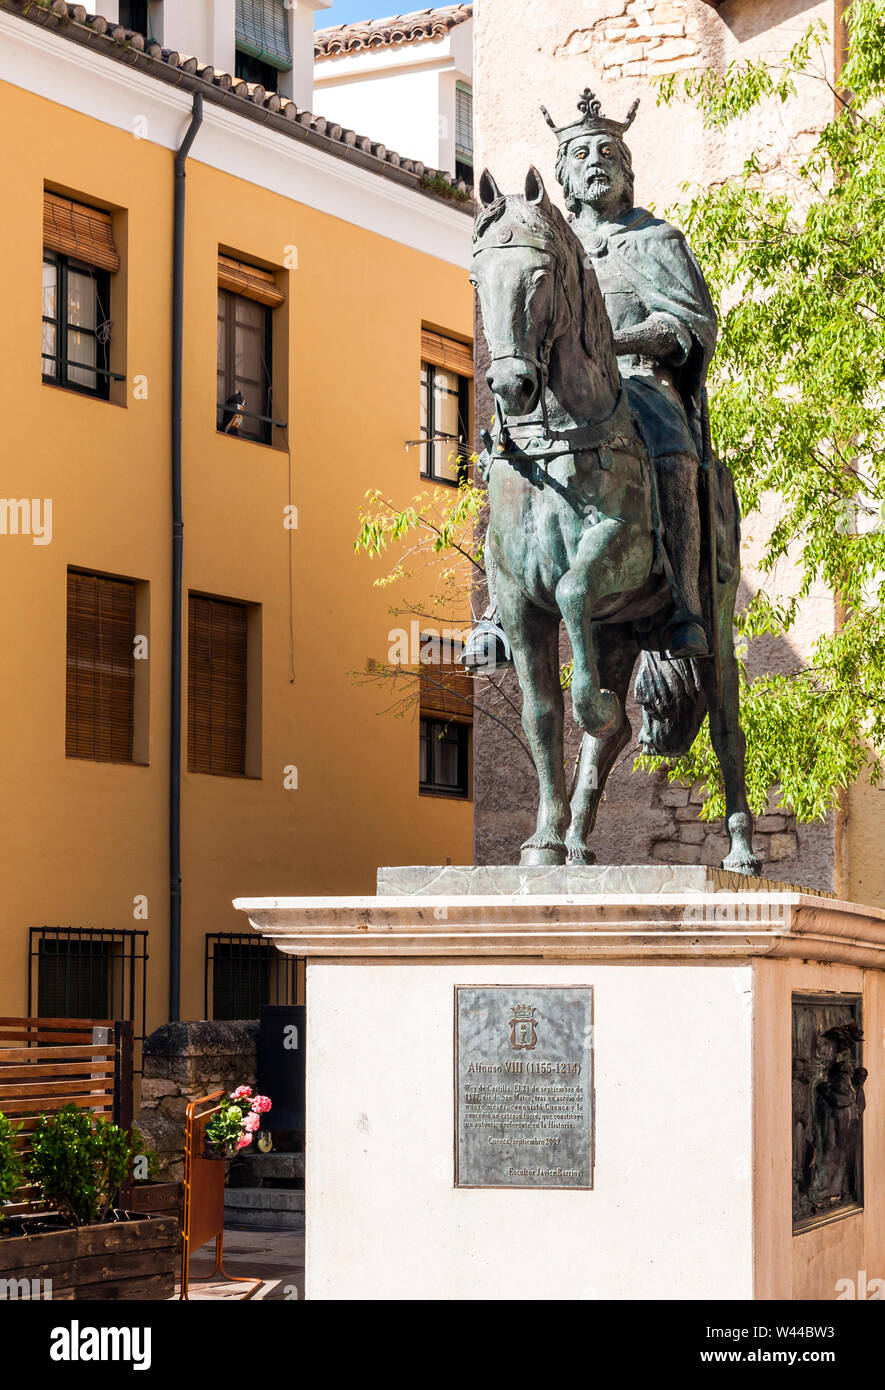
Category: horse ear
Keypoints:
(535, 192)
(488, 189)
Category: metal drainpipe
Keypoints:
(177, 553)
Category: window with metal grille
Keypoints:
(242, 973)
(217, 685)
(100, 693)
(464, 132)
(262, 31)
(83, 972)
(245, 350)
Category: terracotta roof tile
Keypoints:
(127, 46)
(343, 39)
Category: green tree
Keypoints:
(436, 543)
(797, 403)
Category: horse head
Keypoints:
(528, 269)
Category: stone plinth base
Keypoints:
(692, 1165)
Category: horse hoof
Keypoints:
(746, 864)
(580, 854)
(548, 855)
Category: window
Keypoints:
(445, 757)
(242, 973)
(262, 41)
(217, 680)
(445, 723)
(134, 15)
(247, 297)
(74, 979)
(446, 374)
(79, 256)
(249, 69)
(464, 132)
(100, 703)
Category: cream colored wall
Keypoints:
(81, 839)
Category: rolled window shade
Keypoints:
(446, 689)
(73, 229)
(446, 352)
(262, 30)
(250, 281)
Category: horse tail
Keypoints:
(673, 704)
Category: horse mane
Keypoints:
(580, 278)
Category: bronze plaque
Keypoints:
(524, 1086)
(828, 1106)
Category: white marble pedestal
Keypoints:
(692, 1178)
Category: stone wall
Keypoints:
(618, 47)
(183, 1061)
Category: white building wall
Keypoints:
(403, 95)
(400, 108)
(670, 1213)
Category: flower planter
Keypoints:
(129, 1259)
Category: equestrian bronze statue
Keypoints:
(608, 509)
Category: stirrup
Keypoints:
(486, 648)
(684, 619)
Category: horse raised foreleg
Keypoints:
(534, 640)
(616, 655)
(730, 746)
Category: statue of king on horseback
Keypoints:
(608, 510)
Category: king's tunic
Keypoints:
(646, 269)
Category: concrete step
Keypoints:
(270, 1208)
(267, 1170)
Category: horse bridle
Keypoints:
(580, 438)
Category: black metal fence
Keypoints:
(242, 972)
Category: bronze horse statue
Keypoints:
(574, 534)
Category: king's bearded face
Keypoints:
(593, 171)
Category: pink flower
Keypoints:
(260, 1104)
(251, 1123)
(241, 1093)
(246, 1139)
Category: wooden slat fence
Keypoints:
(47, 1063)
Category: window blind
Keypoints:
(464, 122)
(79, 231)
(446, 689)
(249, 281)
(262, 29)
(216, 680)
(100, 701)
(446, 352)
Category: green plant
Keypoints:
(79, 1162)
(11, 1171)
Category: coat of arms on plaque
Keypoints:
(522, 1027)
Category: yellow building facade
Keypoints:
(360, 258)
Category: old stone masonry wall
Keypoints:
(635, 39)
